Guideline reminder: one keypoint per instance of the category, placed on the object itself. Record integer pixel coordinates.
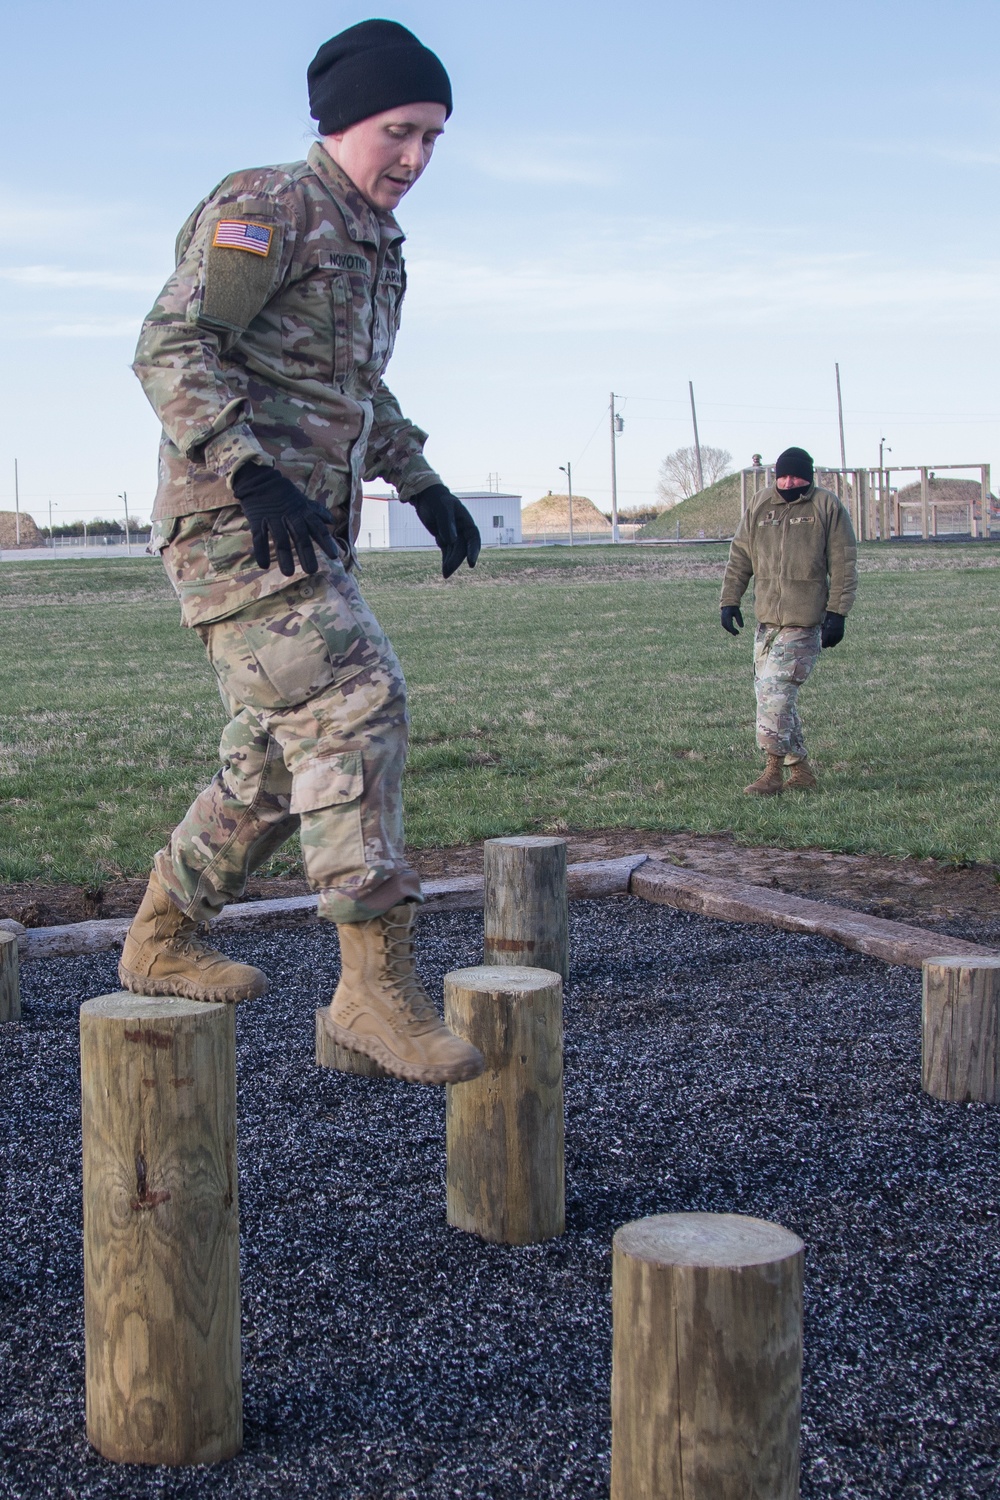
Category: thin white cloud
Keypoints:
(574, 160)
(96, 328)
(963, 156)
(648, 286)
(59, 278)
(537, 169)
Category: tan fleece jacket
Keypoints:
(800, 552)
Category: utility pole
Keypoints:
(567, 469)
(616, 426)
(840, 418)
(17, 509)
(697, 445)
(128, 540)
(52, 538)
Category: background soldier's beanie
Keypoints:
(371, 67)
(794, 463)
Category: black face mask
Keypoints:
(794, 494)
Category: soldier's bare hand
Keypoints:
(278, 512)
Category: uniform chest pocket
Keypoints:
(317, 326)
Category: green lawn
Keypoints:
(552, 689)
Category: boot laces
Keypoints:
(189, 944)
(405, 981)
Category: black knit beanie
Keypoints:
(371, 67)
(794, 463)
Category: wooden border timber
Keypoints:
(638, 875)
(711, 896)
(586, 881)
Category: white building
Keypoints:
(387, 522)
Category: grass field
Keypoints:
(550, 690)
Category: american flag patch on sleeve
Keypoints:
(237, 234)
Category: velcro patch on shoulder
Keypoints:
(237, 287)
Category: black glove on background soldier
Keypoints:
(451, 526)
(831, 630)
(731, 617)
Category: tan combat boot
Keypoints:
(801, 777)
(163, 956)
(771, 779)
(381, 1008)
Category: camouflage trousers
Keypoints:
(316, 743)
(782, 661)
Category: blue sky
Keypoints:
(627, 197)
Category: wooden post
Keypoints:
(706, 1376)
(925, 498)
(160, 1230)
(329, 1054)
(984, 491)
(743, 493)
(504, 1130)
(526, 911)
(961, 1029)
(10, 982)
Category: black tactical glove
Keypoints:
(832, 629)
(731, 614)
(451, 526)
(278, 512)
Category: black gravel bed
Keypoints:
(708, 1066)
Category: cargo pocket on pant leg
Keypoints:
(327, 794)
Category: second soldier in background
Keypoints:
(797, 543)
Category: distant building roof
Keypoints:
(485, 495)
(462, 495)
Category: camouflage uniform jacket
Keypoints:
(269, 343)
(801, 554)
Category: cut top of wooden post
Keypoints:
(528, 841)
(504, 979)
(124, 1006)
(700, 1239)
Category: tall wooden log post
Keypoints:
(961, 1029)
(10, 981)
(706, 1376)
(160, 1230)
(330, 1054)
(526, 912)
(506, 1175)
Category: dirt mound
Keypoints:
(30, 534)
(551, 513)
(948, 494)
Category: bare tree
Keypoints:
(679, 472)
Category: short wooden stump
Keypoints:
(160, 1230)
(10, 978)
(330, 1054)
(707, 1363)
(525, 903)
(506, 1174)
(961, 1029)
